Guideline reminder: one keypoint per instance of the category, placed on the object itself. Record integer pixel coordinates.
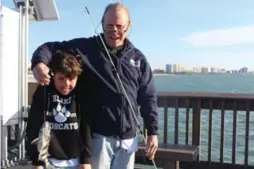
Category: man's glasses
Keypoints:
(119, 28)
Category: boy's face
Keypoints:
(64, 84)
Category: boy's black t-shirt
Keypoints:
(70, 131)
(62, 116)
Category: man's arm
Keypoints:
(42, 56)
(34, 124)
(85, 133)
(84, 129)
(147, 99)
(44, 52)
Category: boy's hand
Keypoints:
(37, 167)
(85, 166)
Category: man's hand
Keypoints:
(37, 167)
(40, 72)
(152, 146)
(85, 166)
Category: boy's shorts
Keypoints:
(52, 166)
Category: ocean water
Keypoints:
(210, 83)
(222, 83)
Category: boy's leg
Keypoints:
(102, 151)
(123, 159)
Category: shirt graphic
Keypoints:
(63, 115)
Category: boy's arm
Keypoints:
(34, 123)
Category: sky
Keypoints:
(194, 33)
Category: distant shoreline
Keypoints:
(189, 74)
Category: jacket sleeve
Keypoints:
(147, 99)
(34, 123)
(44, 52)
(85, 157)
(85, 134)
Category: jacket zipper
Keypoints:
(121, 94)
(120, 90)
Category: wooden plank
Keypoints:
(196, 125)
(173, 152)
(228, 103)
(222, 132)
(210, 131)
(171, 165)
(145, 161)
(176, 121)
(247, 122)
(212, 165)
(165, 122)
(187, 122)
(234, 132)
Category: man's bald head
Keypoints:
(116, 23)
(114, 7)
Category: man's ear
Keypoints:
(129, 25)
(102, 25)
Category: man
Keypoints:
(112, 121)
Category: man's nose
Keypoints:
(114, 28)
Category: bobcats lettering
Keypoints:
(66, 126)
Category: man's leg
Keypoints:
(123, 159)
(102, 152)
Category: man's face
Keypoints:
(64, 84)
(116, 24)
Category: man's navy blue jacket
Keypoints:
(103, 96)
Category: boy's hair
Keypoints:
(66, 64)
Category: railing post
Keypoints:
(196, 125)
(165, 136)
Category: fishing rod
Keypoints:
(120, 81)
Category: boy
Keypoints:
(58, 105)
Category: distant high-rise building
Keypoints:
(215, 70)
(197, 70)
(181, 68)
(243, 70)
(169, 68)
(234, 71)
(204, 69)
(176, 68)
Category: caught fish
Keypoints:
(43, 141)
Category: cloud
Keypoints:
(221, 37)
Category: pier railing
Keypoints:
(221, 124)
